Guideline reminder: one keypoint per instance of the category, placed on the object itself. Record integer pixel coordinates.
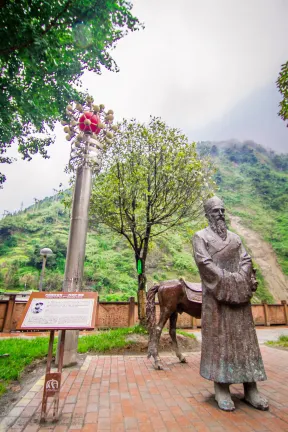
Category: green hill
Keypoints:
(252, 181)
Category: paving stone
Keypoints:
(6, 422)
(125, 394)
(31, 428)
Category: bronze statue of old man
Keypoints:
(230, 351)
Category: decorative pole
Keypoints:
(89, 128)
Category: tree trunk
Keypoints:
(141, 295)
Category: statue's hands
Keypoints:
(245, 265)
(247, 269)
(245, 258)
(254, 282)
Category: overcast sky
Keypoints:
(193, 64)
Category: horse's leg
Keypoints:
(152, 345)
(172, 332)
(164, 315)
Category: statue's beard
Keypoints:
(219, 227)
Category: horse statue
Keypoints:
(175, 296)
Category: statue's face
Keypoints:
(217, 214)
(216, 219)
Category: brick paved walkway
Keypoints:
(121, 393)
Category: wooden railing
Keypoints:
(125, 314)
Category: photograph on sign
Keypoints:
(60, 311)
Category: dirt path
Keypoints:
(266, 259)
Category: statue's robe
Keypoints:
(230, 350)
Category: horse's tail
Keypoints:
(150, 306)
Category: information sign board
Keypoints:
(59, 311)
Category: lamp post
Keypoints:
(89, 128)
(45, 252)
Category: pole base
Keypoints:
(70, 348)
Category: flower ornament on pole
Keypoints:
(89, 128)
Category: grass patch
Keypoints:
(183, 333)
(21, 354)
(282, 342)
(108, 340)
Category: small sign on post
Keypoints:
(52, 386)
(57, 311)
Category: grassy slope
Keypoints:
(257, 192)
(243, 200)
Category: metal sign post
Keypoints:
(52, 382)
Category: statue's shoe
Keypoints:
(223, 397)
(257, 401)
(226, 404)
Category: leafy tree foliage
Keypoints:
(45, 46)
(282, 84)
(153, 181)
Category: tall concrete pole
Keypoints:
(76, 251)
(78, 230)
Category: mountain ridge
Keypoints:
(255, 118)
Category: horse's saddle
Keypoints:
(193, 291)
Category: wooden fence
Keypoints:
(125, 314)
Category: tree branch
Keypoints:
(176, 222)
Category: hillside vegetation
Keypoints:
(254, 184)
(252, 181)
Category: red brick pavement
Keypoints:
(121, 393)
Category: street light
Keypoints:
(45, 252)
(89, 128)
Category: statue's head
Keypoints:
(215, 213)
(215, 207)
